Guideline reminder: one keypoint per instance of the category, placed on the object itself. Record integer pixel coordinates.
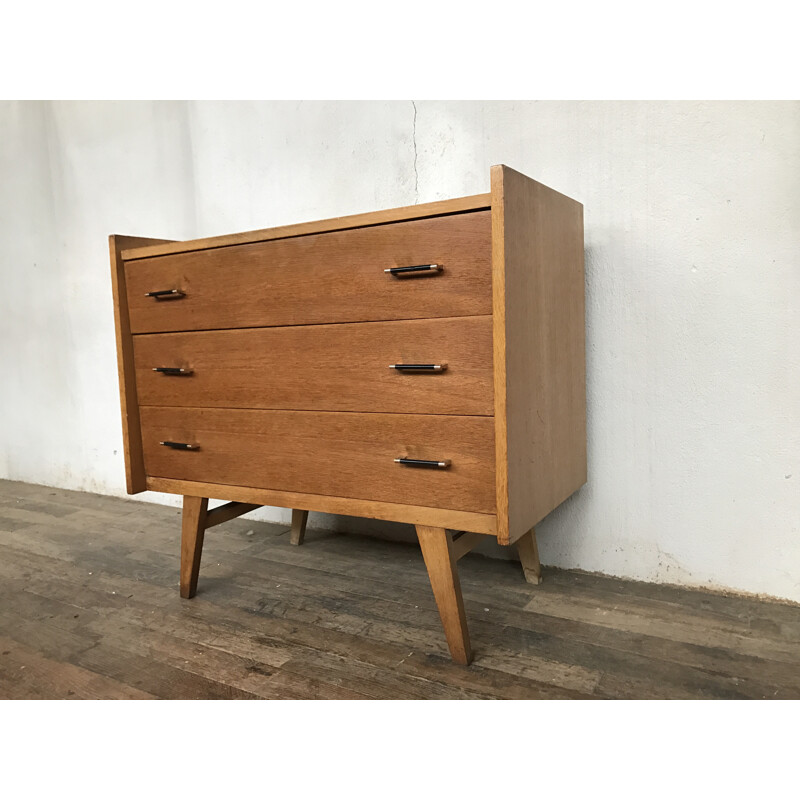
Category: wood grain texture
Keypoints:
(392, 512)
(324, 367)
(131, 434)
(298, 532)
(440, 561)
(438, 208)
(339, 454)
(193, 527)
(317, 279)
(538, 308)
(25, 674)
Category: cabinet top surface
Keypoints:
(456, 206)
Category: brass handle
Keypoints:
(180, 445)
(418, 367)
(166, 294)
(172, 370)
(418, 462)
(417, 271)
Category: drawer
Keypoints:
(322, 278)
(327, 453)
(323, 367)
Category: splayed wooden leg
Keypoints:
(299, 520)
(437, 550)
(529, 556)
(193, 528)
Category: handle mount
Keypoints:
(166, 294)
(172, 370)
(417, 271)
(419, 462)
(418, 367)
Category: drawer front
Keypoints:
(327, 453)
(323, 367)
(329, 277)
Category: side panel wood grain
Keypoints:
(324, 367)
(340, 454)
(540, 389)
(323, 278)
(131, 432)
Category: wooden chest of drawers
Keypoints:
(422, 365)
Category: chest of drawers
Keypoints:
(421, 365)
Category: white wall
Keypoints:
(692, 215)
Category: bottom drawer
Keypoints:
(327, 453)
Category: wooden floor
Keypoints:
(89, 608)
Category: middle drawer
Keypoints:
(342, 367)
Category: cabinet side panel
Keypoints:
(131, 429)
(499, 355)
(545, 385)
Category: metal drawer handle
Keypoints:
(418, 462)
(165, 294)
(172, 370)
(181, 445)
(419, 367)
(421, 269)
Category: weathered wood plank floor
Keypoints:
(89, 608)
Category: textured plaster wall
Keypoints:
(692, 215)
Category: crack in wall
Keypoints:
(190, 161)
(414, 142)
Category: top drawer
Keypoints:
(320, 278)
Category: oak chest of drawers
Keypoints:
(421, 365)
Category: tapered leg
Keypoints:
(299, 520)
(529, 556)
(437, 550)
(192, 530)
